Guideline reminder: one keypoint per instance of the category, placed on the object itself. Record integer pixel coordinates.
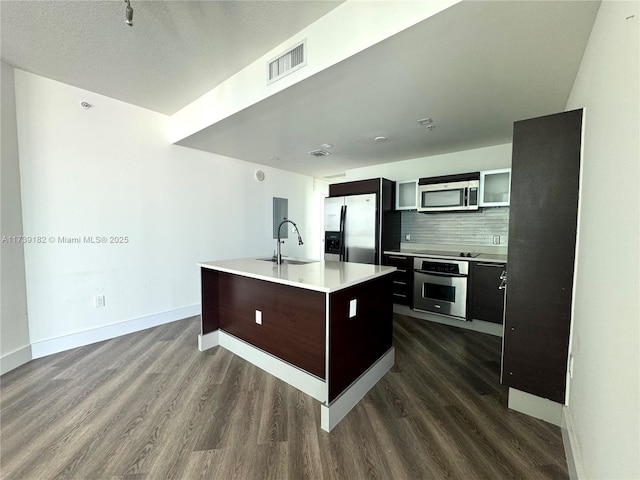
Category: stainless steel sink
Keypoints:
(290, 261)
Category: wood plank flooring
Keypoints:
(151, 406)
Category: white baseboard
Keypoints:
(571, 449)
(208, 340)
(294, 376)
(332, 414)
(13, 360)
(535, 406)
(80, 339)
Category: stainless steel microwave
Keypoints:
(449, 193)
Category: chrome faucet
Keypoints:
(300, 242)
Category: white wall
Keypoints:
(604, 397)
(111, 171)
(497, 156)
(14, 327)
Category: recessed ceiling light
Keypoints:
(319, 153)
(326, 145)
(425, 122)
(380, 139)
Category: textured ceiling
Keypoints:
(175, 52)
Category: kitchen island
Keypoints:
(323, 327)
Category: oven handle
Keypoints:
(438, 274)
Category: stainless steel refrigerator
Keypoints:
(360, 221)
(352, 229)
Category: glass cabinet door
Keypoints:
(407, 195)
(495, 188)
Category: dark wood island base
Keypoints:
(327, 333)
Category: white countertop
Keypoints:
(322, 276)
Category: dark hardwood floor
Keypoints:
(151, 406)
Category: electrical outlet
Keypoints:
(258, 317)
(407, 236)
(98, 301)
(353, 307)
(496, 239)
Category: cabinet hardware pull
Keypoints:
(399, 295)
(503, 280)
(501, 265)
(397, 258)
(399, 283)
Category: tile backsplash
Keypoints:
(459, 228)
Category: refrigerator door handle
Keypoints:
(343, 250)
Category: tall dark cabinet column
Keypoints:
(542, 238)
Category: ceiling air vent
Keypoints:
(287, 63)
(319, 153)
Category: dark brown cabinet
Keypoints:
(402, 280)
(486, 299)
(542, 237)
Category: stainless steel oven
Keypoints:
(440, 286)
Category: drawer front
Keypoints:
(401, 262)
(402, 281)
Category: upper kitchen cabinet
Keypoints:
(407, 195)
(495, 188)
(542, 241)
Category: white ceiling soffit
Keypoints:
(474, 68)
(175, 52)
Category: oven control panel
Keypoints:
(439, 267)
(452, 267)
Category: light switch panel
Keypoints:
(258, 317)
(353, 306)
